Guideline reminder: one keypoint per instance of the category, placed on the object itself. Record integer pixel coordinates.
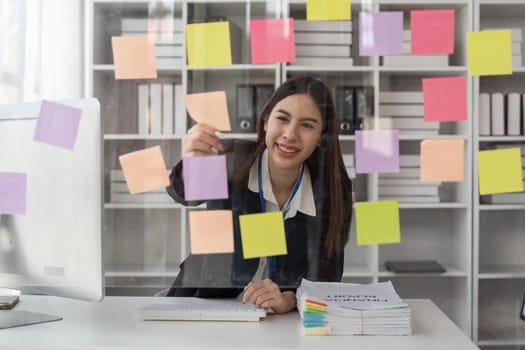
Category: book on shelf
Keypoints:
(140, 198)
(517, 61)
(405, 182)
(407, 35)
(323, 38)
(160, 37)
(401, 123)
(404, 172)
(401, 110)
(250, 99)
(167, 109)
(143, 109)
(169, 62)
(415, 190)
(416, 60)
(309, 50)
(152, 25)
(335, 308)
(400, 97)
(176, 51)
(508, 198)
(122, 187)
(484, 114)
(323, 61)
(348, 160)
(302, 25)
(117, 175)
(411, 199)
(155, 106)
(353, 104)
(497, 114)
(180, 110)
(513, 114)
(515, 33)
(409, 160)
(414, 266)
(351, 172)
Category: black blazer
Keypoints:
(225, 275)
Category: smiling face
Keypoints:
(293, 130)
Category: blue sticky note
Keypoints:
(205, 178)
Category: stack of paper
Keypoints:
(348, 160)
(352, 309)
(323, 43)
(409, 60)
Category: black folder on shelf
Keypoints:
(415, 266)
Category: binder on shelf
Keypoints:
(180, 110)
(143, 109)
(155, 109)
(513, 114)
(262, 95)
(497, 114)
(246, 105)
(484, 114)
(167, 109)
(345, 109)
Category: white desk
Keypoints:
(114, 323)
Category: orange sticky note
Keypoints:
(444, 99)
(210, 108)
(134, 57)
(442, 160)
(211, 231)
(144, 170)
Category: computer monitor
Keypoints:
(56, 247)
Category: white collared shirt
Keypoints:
(303, 200)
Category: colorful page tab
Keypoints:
(443, 160)
(134, 57)
(211, 231)
(445, 99)
(144, 170)
(380, 33)
(432, 32)
(208, 44)
(377, 222)
(13, 187)
(262, 235)
(377, 151)
(272, 40)
(210, 108)
(500, 171)
(489, 52)
(57, 124)
(328, 10)
(205, 178)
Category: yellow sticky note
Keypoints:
(210, 108)
(262, 235)
(208, 44)
(134, 57)
(328, 10)
(144, 170)
(211, 231)
(489, 52)
(500, 171)
(442, 160)
(377, 222)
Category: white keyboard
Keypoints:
(197, 309)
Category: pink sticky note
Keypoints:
(445, 99)
(210, 108)
(205, 178)
(272, 40)
(211, 231)
(377, 151)
(432, 32)
(134, 57)
(57, 124)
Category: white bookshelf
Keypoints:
(498, 265)
(144, 243)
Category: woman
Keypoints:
(298, 161)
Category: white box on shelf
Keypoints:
(405, 182)
(416, 60)
(497, 114)
(513, 114)
(404, 172)
(517, 61)
(323, 61)
(484, 114)
(155, 95)
(323, 38)
(169, 62)
(401, 110)
(301, 25)
(180, 110)
(416, 190)
(169, 51)
(515, 33)
(143, 109)
(401, 123)
(323, 50)
(508, 198)
(409, 160)
(411, 199)
(400, 97)
(152, 25)
(161, 38)
(167, 109)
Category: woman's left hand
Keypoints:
(267, 294)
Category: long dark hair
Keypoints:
(325, 164)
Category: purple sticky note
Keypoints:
(381, 33)
(272, 40)
(13, 193)
(205, 178)
(377, 151)
(57, 124)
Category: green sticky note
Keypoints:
(489, 52)
(377, 222)
(262, 235)
(208, 44)
(500, 171)
(328, 10)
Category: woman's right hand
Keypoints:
(201, 140)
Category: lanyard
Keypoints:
(271, 259)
